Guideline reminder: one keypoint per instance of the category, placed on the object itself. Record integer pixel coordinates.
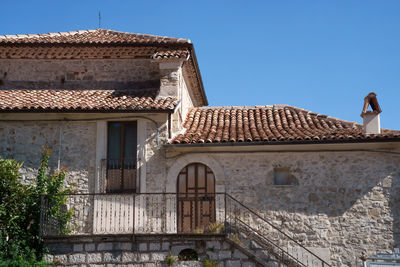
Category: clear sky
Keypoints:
(321, 55)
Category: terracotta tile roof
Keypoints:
(171, 54)
(270, 124)
(99, 36)
(84, 100)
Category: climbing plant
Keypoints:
(20, 205)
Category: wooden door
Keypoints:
(196, 198)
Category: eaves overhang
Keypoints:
(344, 145)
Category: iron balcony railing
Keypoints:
(118, 175)
(169, 213)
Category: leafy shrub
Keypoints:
(171, 259)
(20, 242)
(210, 263)
(216, 227)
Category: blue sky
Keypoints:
(324, 56)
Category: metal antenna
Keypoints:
(99, 20)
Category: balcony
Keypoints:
(82, 215)
(130, 213)
(118, 175)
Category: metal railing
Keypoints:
(159, 213)
(243, 220)
(118, 175)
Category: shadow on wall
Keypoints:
(64, 84)
(394, 203)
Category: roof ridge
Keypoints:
(43, 35)
(141, 34)
(70, 33)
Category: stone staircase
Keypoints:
(269, 245)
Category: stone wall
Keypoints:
(78, 74)
(144, 251)
(26, 141)
(348, 202)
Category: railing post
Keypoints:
(225, 211)
(134, 213)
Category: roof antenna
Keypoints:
(99, 20)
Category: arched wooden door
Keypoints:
(196, 198)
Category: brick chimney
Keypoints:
(372, 123)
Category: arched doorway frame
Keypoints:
(172, 180)
(209, 161)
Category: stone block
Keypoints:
(188, 264)
(144, 257)
(237, 254)
(273, 264)
(254, 245)
(60, 248)
(48, 257)
(165, 246)
(77, 258)
(248, 264)
(90, 247)
(78, 247)
(60, 259)
(158, 256)
(143, 247)
(123, 246)
(224, 254)
(93, 257)
(96, 265)
(129, 257)
(226, 245)
(112, 256)
(213, 244)
(105, 246)
(232, 263)
(155, 246)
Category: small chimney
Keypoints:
(372, 123)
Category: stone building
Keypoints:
(156, 172)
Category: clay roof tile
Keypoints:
(278, 123)
(83, 100)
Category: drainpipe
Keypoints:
(59, 147)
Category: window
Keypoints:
(121, 157)
(282, 176)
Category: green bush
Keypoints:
(20, 243)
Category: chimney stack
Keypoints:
(372, 124)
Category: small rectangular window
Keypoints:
(282, 176)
